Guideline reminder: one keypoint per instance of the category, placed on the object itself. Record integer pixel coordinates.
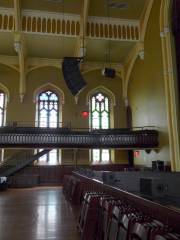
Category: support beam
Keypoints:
(144, 19)
(129, 64)
(170, 84)
(81, 42)
(17, 15)
(19, 45)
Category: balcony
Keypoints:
(36, 137)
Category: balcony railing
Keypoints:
(40, 22)
(32, 137)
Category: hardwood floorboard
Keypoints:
(37, 214)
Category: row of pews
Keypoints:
(109, 213)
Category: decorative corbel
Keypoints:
(141, 50)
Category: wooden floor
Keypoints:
(37, 213)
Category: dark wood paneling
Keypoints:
(49, 175)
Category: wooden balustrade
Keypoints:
(39, 22)
(6, 20)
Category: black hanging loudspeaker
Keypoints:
(109, 72)
(72, 74)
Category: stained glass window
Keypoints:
(2, 108)
(100, 119)
(2, 117)
(48, 116)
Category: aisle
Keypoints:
(37, 213)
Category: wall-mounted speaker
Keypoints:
(72, 74)
(109, 72)
(158, 165)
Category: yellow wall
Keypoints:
(71, 112)
(146, 91)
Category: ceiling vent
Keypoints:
(121, 5)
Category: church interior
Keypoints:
(89, 119)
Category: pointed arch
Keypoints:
(43, 66)
(10, 66)
(104, 90)
(138, 49)
(145, 18)
(49, 86)
(6, 91)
